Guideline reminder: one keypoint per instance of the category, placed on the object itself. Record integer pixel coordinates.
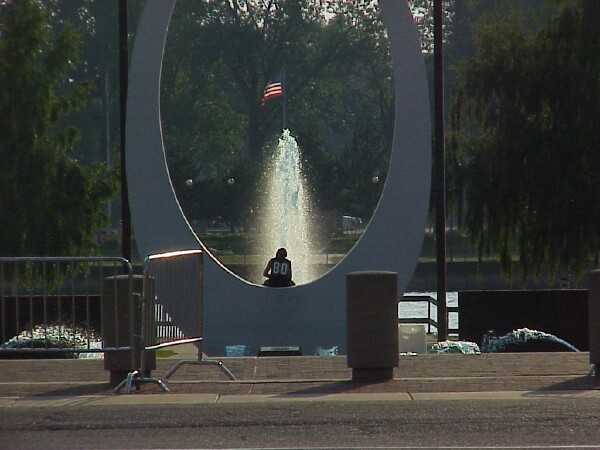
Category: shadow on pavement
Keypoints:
(588, 382)
(339, 387)
(87, 389)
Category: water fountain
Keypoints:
(285, 209)
(521, 340)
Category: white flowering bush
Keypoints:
(53, 336)
(464, 347)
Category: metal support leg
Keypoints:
(220, 364)
(137, 377)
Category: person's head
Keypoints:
(281, 253)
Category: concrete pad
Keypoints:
(588, 393)
(172, 399)
(314, 398)
(52, 402)
(503, 395)
(7, 402)
(155, 399)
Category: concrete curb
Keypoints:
(214, 399)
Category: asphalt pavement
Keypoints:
(503, 400)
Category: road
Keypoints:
(512, 423)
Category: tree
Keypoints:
(338, 83)
(233, 48)
(49, 204)
(525, 142)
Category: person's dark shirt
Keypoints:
(280, 272)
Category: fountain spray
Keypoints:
(285, 209)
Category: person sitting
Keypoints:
(279, 270)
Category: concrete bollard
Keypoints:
(594, 319)
(116, 326)
(372, 325)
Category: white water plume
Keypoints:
(285, 219)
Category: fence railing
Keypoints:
(429, 320)
(54, 304)
(172, 287)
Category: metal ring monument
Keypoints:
(237, 312)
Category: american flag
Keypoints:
(273, 89)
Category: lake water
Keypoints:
(420, 309)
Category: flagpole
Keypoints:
(283, 89)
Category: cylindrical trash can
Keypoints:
(372, 325)
(116, 326)
(594, 319)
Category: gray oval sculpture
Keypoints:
(240, 313)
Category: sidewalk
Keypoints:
(490, 375)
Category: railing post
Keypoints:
(121, 310)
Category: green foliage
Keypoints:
(97, 23)
(342, 244)
(338, 96)
(524, 142)
(49, 204)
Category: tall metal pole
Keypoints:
(123, 80)
(107, 143)
(440, 176)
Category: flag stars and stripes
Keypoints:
(273, 89)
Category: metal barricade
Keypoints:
(172, 289)
(53, 305)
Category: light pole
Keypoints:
(440, 177)
(107, 143)
(123, 79)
